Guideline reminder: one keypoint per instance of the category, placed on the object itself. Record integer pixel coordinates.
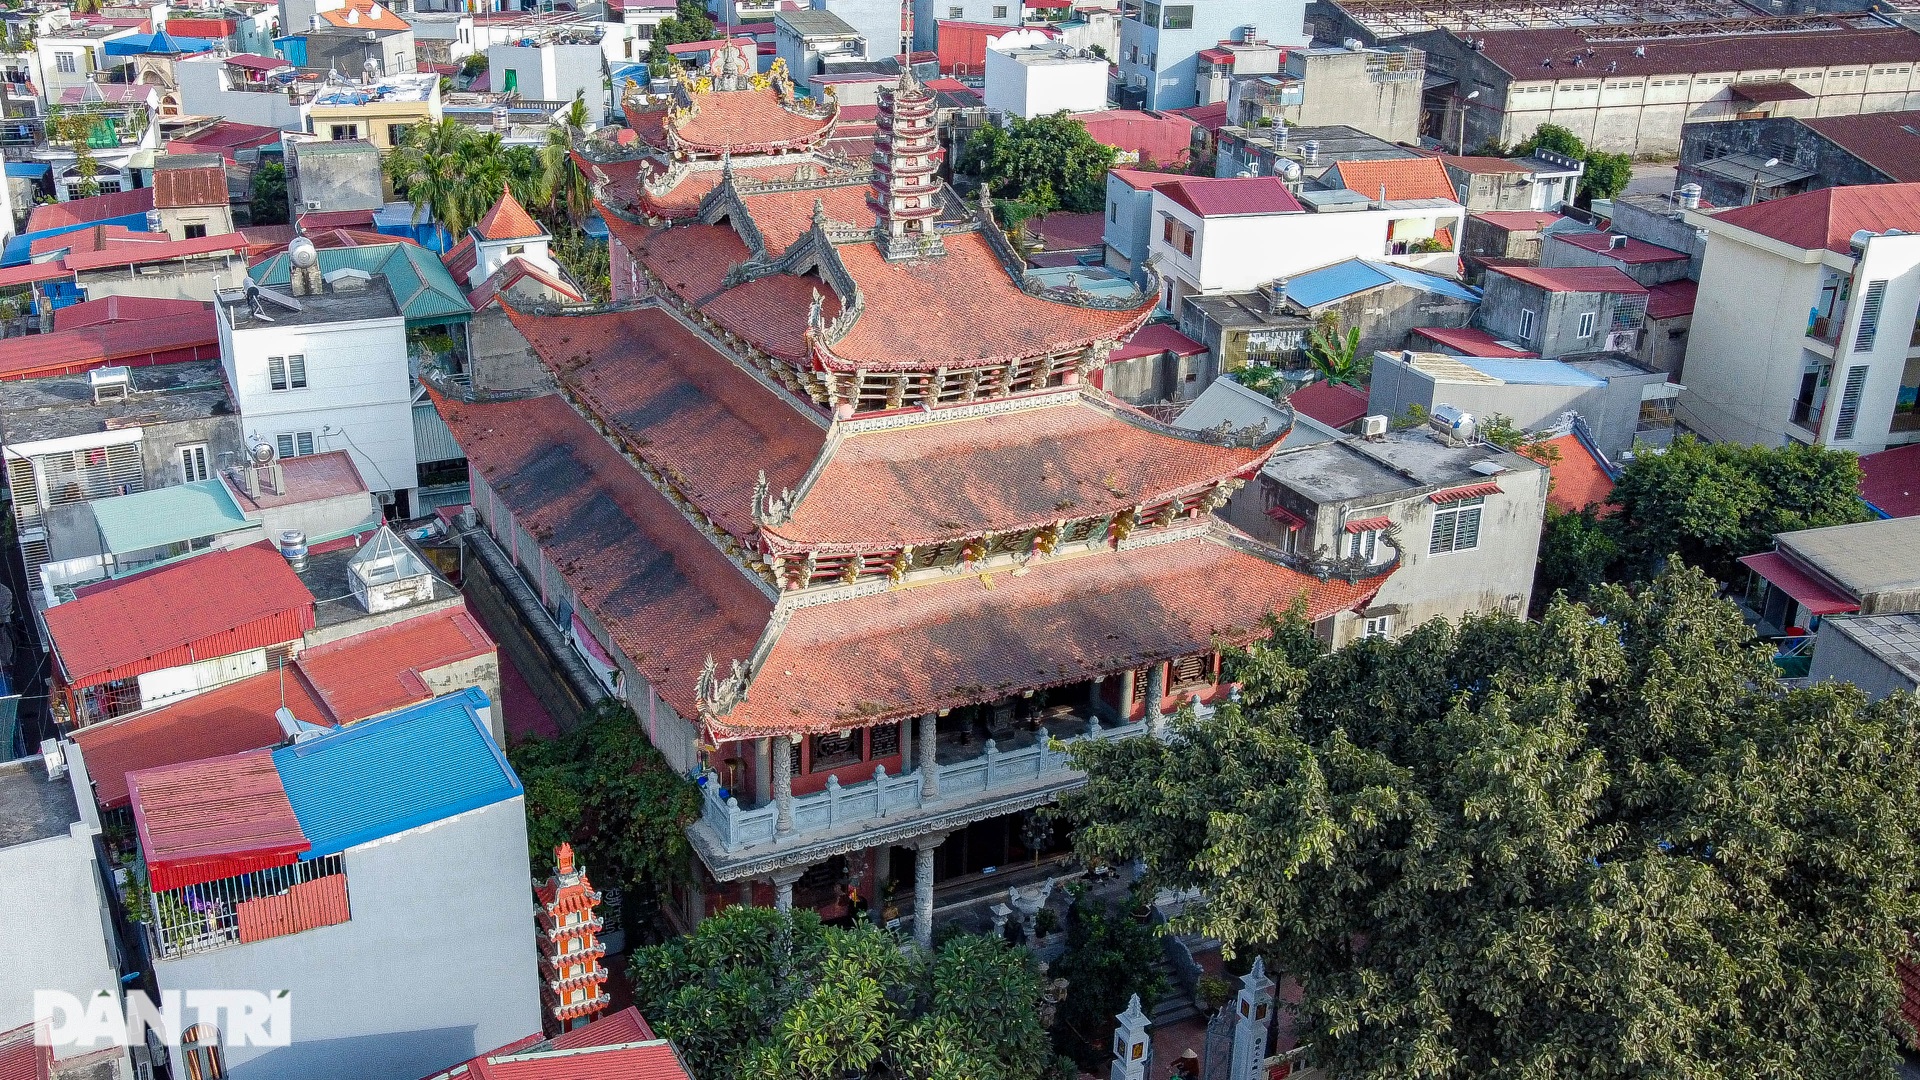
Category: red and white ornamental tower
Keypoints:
(906, 181)
(571, 976)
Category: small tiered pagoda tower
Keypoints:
(906, 163)
(571, 976)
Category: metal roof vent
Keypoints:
(110, 384)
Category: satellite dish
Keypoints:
(302, 252)
(263, 453)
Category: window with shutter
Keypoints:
(297, 372)
(277, 372)
(1456, 527)
(1850, 403)
(1869, 316)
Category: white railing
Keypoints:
(886, 796)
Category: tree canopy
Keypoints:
(604, 788)
(1710, 503)
(689, 22)
(757, 994)
(1606, 174)
(1045, 164)
(1608, 844)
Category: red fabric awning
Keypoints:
(1287, 518)
(1471, 491)
(1372, 524)
(1815, 595)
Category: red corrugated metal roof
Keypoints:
(130, 343)
(257, 63)
(1596, 279)
(127, 254)
(1672, 299)
(1470, 491)
(1633, 252)
(218, 604)
(1333, 404)
(33, 273)
(1517, 220)
(1372, 524)
(1216, 56)
(1472, 341)
(93, 208)
(112, 309)
(22, 1058)
(1231, 197)
(1154, 339)
(1815, 595)
(207, 820)
(1166, 138)
(199, 185)
(1829, 217)
(640, 1061)
(382, 670)
(1890, 480)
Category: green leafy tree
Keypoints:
(605, 789)
(1577, 552)
(1604, 845)
(1109, 958)
(1606, 174)
(473, 65)
(269, 203)
(76, 129)
(1711, 503)
(689, 22)
(1555, 138)
(1336, 356)
(757, 994)
(1047, 162)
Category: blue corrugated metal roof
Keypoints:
(28, 170)
(410, 768)
(1433, 283)
(1330, 283)
(1534, 372)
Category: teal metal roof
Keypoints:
(422, 764)
(168, 515)
(421, 286)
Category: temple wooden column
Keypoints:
(1156, 693)
(1126, 696)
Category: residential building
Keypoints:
(1648, 264)
(1218, 236)
(1541, 181)
(1295, 153)
(1029, 75)
(1633, 90)
(110, 431)
(242, 30)
(358, 38)
(1787, 338)
(1661, 218)
(1510, 235)
(1160, 45)
(556, 66)
(1236, 329)
(883, 24)
(1238, 59)
(961, 44)
(1880, 654)
(1565, 311)
(108, 262)
(442, 37)
(1663, 338)
(350, 836)
(1730, 160)
(1158, 364)
(822, 360)
(432, 302)
(1814, 574)
(334, 175)
(247, 89)
(70, 53)
(381, 113)
(1146, 140)
(1623, 404)
(1890, 481)
(1459, 522)
(190, 196)
(620, 1044)
(810, 38)
(325, 367)
(506, 254)
(1382, 300)
(1376, 90)
(49, 837)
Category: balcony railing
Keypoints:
(888, 797)
(264, 904)
(1824, 328)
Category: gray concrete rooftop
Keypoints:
(62, 405)
(348, 299)
(1865, 559)
(33, 807)
(1893, 639)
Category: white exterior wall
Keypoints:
(1643, 114)
(550, 71)
(1030, 90)
(203, 92)
(358, 396)
(1748, 347)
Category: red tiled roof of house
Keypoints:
(785, 216)
(1573, 278)
(1472, 341)
(1154, 339)
(1829, 217)
(1209, 117)
(1063, 231)
(1579, 480)
(748, 120)
(1399, 178)
(506, 219)
(1633, 252)
(1333, 404)
(1890, 480)
(682, 407)
(659, 586)
(214, 723)
(189, 187)
(364, 15)
(684, 197)
(206, 820)
(22, 1057)
(384, 669)
(308, 478)
(93, 208)
(1522, 53)
(113, 309)
(1001, 473)
(1232, 197)
(618, 1046)
(1884, 140)
(1517, 220)
(904, 652)
(1672, 299)
(516, 270)
(1166, 139)
(962, 309)
(246, 598)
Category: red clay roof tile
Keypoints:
(506, 219)
(1401, 178)
(1579, 481)
(748, 120)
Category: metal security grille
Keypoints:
(1850, 404)
(250, 907)
(1869, 316)
(50, 480)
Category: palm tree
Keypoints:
(1336, 358)
(560, 174)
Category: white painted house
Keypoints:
(323, 367)
(1807, 319)
(1235, 235)
(1029, 75)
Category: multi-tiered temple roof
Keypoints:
(839, 463)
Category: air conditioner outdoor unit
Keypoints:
(1373, 427)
